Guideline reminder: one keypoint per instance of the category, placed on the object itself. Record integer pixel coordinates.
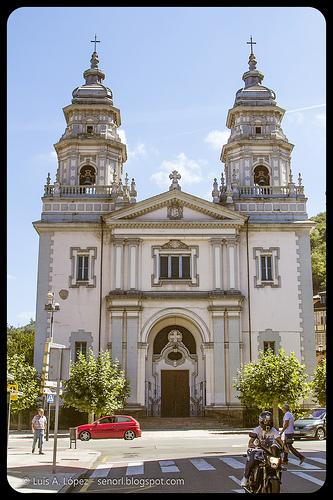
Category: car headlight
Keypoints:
(274, 461)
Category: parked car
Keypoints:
(312, 425)
(112, 426)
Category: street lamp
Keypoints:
(50, 307)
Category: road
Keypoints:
(198, 461)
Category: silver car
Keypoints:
(312, 425)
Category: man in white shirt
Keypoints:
(38, 424)
(288, 430)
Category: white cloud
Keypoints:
(190, 171)
(217, 138)
(138, 152)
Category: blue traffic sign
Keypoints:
(50, 398)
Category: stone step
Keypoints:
(152, 423)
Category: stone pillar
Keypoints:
(142, 348)
(117, 334)
(208, 351)
(133, 263)
(231, 265)
(233, 352)
(132, 371)
(217, 264)
(225, 270)
(219, 362)
(118, 267)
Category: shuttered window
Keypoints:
(175, 267)
(82, 267)
(266, 268)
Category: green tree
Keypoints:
(275, 379)
(27, 379)
(96, 385)
(318, 252)
(318, 385)
(21, 340)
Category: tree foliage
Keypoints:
(274, 380)
(318, 252)
(26, 377)
(21, 340)
(96, 385)
(318, 384)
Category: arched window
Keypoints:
(261, 176)
(87, 176)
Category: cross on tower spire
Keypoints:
(251, 43)
(95, 41)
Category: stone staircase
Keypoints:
(180, 423)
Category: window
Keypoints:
(106, 420)
(258, 130)
(175, 267)
(123, 419)
(266, 268)
(175, 261)
(90, 129)
(269, 345)
(82, 267)
(80, 347)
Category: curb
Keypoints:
(67, 488)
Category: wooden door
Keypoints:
(175, 393)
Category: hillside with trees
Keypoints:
(318, 253)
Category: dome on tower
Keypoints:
(253, 93)
(93, 91)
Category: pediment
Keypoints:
(174, 206)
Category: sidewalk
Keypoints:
(32, 473)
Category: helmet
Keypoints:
(266, 420)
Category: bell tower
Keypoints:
(257, 175)
(90, 154)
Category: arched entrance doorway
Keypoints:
(175, 388)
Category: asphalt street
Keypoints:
(199, 461)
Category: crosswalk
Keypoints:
(313, 464)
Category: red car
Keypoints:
(113, 426)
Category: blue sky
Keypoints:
(174, 73)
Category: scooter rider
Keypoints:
(265, 430)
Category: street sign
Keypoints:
(50, 398)
(47, 390)
(13, 396)
(12, 387)
(59, 363)
(50, 383)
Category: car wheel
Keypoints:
(129, 435)
(85, 435)
(320, 434)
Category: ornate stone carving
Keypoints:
(175, 210)
(175, 244)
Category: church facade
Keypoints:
(181, 290)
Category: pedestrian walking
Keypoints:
(38, 425)
(288, 430)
